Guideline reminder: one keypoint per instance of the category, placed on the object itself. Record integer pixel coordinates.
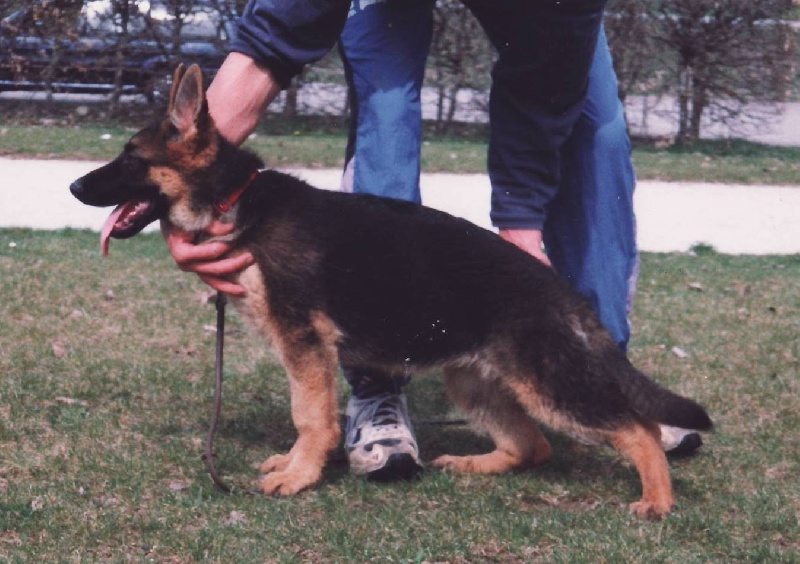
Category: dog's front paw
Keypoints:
(286, 482)
(276, 463)
(650, 509)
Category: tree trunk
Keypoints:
(441, 92)
(452, 94)
(50, 70)
(684, 87)
(119, 54)
(290, 103)
(698, 106)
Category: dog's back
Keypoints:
(413, 284)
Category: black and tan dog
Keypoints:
(381, 284)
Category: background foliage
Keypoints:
(721, 60)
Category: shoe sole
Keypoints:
(687, 447)
(399, 467)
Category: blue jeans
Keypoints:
(589, 228)
(384, 47)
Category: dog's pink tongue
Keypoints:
(108, 227)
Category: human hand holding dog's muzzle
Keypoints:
(209, 259)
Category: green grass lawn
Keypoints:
(107, 369)
(311, 144)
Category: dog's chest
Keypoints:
(253, 307)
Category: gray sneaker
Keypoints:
(379, 440)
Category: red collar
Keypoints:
(223, 206)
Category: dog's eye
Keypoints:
(133, 165)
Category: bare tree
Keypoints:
(461, 57)
(122, 11)
(721, 55)
(52, 22)
(630, 29)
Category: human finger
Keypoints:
(224, 266)
(219, 228)
(222, 285)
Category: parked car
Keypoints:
(44, 47)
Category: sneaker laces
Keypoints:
(375, 418)
(385, 415)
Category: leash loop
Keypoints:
(220, 302)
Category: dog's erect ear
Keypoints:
(187, 100)
(176, 80)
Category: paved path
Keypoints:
(671, 216)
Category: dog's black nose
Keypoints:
(76, 188)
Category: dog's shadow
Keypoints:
(264, 424)
(256, 426)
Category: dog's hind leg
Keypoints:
(518, 441)
(634, 438)
(309, 356)
(641, 444)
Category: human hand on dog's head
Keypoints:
(209, 259)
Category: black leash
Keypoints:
(209, 456)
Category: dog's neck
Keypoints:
(234, 172)
(236, 169)
(225, 204)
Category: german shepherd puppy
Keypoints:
(389, 285)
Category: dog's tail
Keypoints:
(659, 404)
